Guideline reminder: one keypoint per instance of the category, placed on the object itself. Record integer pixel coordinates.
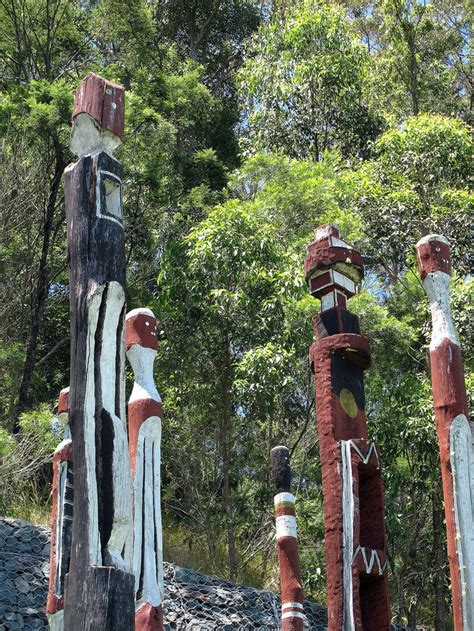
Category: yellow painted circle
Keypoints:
(348, 402)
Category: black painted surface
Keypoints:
(280, 469)
(96, 253)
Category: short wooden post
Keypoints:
(292, 616)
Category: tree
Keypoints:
(416, 184)
(302, 85)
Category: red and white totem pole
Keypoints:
(352, 488)
(455, 432)
(292, 616)
(99, 587)
(61, 519)
(144, 421)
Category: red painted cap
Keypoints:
(103, 100)
(433, 255)
(140, 328)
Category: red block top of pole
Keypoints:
(103, 101)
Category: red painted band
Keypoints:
(149, 618)
(138, 412)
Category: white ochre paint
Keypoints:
(148, 536)
(462, 465)
(284, 497)
(436, 285)
(142, 360)
(347, 534)
(120, 537)
(285, 526)
(94, 301)
(56, 621)
(88, 136)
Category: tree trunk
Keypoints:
(42, 288)
(225, 447)
(439, 559)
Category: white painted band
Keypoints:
(284, 497)
(286, 526)
(292, 606)
(436, 285)
(432, 237)
(140, 311)
(292, 614)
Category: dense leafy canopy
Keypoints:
(248, 124)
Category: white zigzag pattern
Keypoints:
(365, 458)
(374, 558)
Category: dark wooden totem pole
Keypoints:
(292, 616)
(352, 487)
(99, 589)
(455, 432)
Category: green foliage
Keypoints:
(324, 95)
(302, 85)
(416, 184)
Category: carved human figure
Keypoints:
(99, 587)
(292, 616)
(354, 529)
(455, 432)
(144, 421)
(61, 519)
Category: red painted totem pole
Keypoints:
(455, 432)
(61, 519)
(144, 421)
(292, 616)
(352, 487)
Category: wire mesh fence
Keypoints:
(196, 602)
(193, 601)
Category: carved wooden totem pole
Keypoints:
(144, 421)
(292, 617)
(352, 487)
(61, 519)
(455, 432)
(99, 591)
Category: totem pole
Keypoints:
(99, 589)
(61, 519)
(144, 422)
(352, 487)
(292, 617)
(455, 432)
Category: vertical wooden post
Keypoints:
(144, 420)
(292, 616)
(99, 594)
(354, 529)
(455, 432)
(61, 519)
